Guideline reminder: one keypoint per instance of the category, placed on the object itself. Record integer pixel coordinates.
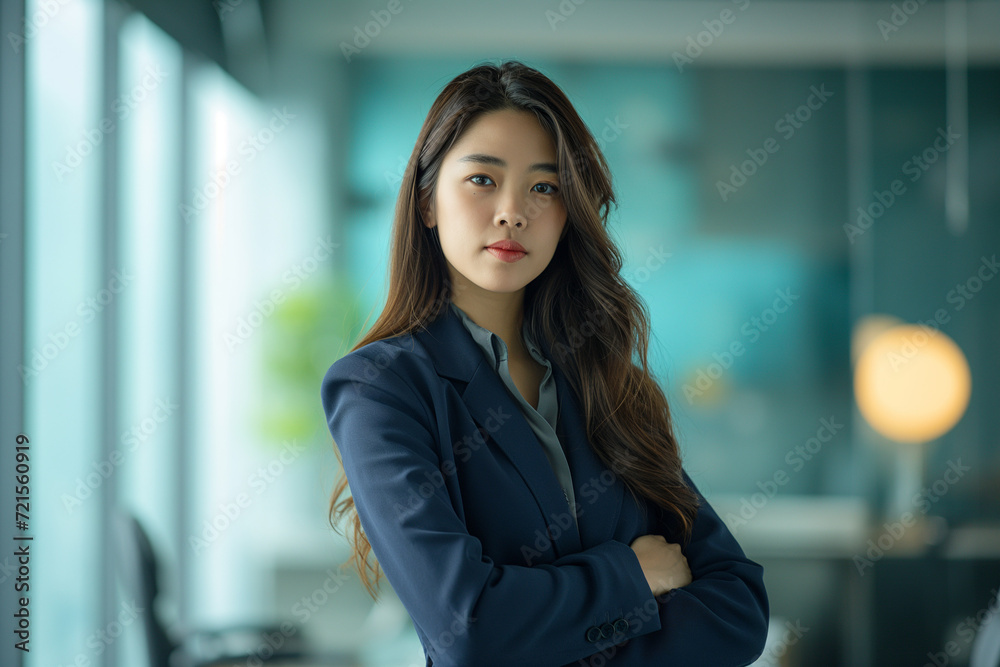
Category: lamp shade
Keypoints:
(912, 383)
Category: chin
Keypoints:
(503, 288)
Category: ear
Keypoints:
(428, 216)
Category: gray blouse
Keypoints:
(543, 420)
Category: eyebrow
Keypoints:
(494, 161)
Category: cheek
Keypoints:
(457, 235)
(465, 208)
(555, 218)
(477, 206)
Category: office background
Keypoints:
(196, 202)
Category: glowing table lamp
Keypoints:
(912, 385)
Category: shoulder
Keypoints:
(381, 392)
(398, 366)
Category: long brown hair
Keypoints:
(592, 320)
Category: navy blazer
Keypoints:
(467, 520)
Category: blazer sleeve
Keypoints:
(719, 619)
(468, 609)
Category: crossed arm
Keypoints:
(470, 610)
(720, 618)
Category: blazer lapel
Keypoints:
(598, 491)
(456, 355)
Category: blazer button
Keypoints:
(607, 630)
(621, 625)
(593, 633)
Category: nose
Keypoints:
(511, 211)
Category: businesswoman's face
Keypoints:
(499, 181)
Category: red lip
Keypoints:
(509, 245)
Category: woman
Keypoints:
(491, 419)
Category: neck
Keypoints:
(501, 313)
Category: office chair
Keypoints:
(235, 645)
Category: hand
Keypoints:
(662, 562)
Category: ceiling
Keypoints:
(791, 32)
(264, 43)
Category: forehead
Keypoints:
(509, 134)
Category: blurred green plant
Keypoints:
(309, 330)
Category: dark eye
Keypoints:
(472, 178)
(552, 189)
